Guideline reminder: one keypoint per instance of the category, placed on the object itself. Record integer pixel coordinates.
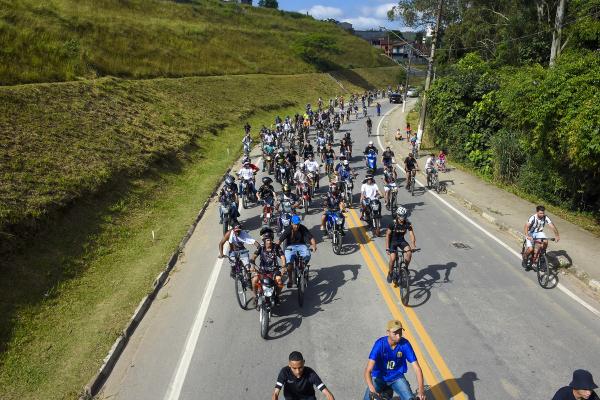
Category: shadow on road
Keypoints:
(464, 384)
(426, 279)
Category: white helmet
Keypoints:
(371, 143)
(401, 212)
(345, 162)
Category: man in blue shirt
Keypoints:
(387, 365)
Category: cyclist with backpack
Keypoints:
(534, 229)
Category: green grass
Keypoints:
(62, 40)
(99, 165)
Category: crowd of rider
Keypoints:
(292, 160)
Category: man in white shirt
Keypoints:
(313, 167)
(368, 190)
(534, 229)
(246, 173)
(430, 166)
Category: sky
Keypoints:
(362, 14)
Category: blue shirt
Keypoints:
(390, 364)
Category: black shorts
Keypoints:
(398, 244)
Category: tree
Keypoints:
(268, 4)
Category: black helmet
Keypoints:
(286, 188)
(267, 180)
(229, 180)
(267, 233)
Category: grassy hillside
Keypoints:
(114, 159)
(61, 40)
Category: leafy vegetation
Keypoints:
(95, 167)
(497, 107)
(63, 40)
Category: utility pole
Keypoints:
(558, 21)
(407, 75)
(429, 72)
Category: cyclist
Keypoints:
(581, 387)
(297, 381)
(313, 167)
(301, 180)
(246, 174)
(368, 191)
(370, 147)
(247, 142)
(329, 156)
(268, 253)
(387, 158)
(296, 236)
(236, 238)
(292, 158)
(389, 177)
(534, 229)
(430, 167)
(369, 125)
(308, 149)
(333, 203)
(387, 365)
(266, 192)
(411, 167)
(229, 195)
(394, 238)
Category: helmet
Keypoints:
(229, 180)
(345, 163)
(286, 188)
(401, 212)
(267, 233)
(246, 163)
(295, 220)
(370, 143)
(267, 180)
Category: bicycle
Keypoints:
(412, 181)
(300, 276)
(433, 181)
(401, 275)
(538, 261)
(242, 280)
(369, 130)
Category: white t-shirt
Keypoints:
(300, 177)
(430, 163)
(246, 173)
(311, 166)
(369, 191)
(537, 225)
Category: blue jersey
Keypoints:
(390, 364)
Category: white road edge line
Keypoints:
(561, 287)
(176, 385)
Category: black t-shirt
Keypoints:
(410, 163)
(371, 148)
(566, 393)
(299, 388)
(399, 230)
(301, 236)
(266, 191)
(388, 154)
(268, 258)
(329, 153)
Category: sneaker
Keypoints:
(525, 265)
(389, 277)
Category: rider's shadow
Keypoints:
(422, 281)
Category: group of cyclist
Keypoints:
(298, 172)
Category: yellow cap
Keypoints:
(394, 325)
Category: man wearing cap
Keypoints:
(298, 381)
(387, 365)
(296, 237)
(581, 387)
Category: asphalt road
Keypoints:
(480, 326)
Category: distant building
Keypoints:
(345, 25)
(394, 46)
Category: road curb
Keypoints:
(93, 386)
(566, 267)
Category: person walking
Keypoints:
(388, 363)
(581, 387)
(298, 381)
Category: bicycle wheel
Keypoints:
(543, 271)
(240, 291)
(393, 203)
(245, 201)
(301, 287)
(412, 186)
(404, 284)
(264, 322)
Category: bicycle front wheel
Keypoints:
(404, 285)
(543, 271)
(264, 322)
(240, 291)
(301, 288)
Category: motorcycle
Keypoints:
(267, 212)
(248, 194)
(266, 300)
(371, 162)
(313, 179)
(373, 215)
(347, 186)
(282, 173)
(303, 190)
(333, 226)
(285, 216)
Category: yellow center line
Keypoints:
(412, 316)
(429, 376)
